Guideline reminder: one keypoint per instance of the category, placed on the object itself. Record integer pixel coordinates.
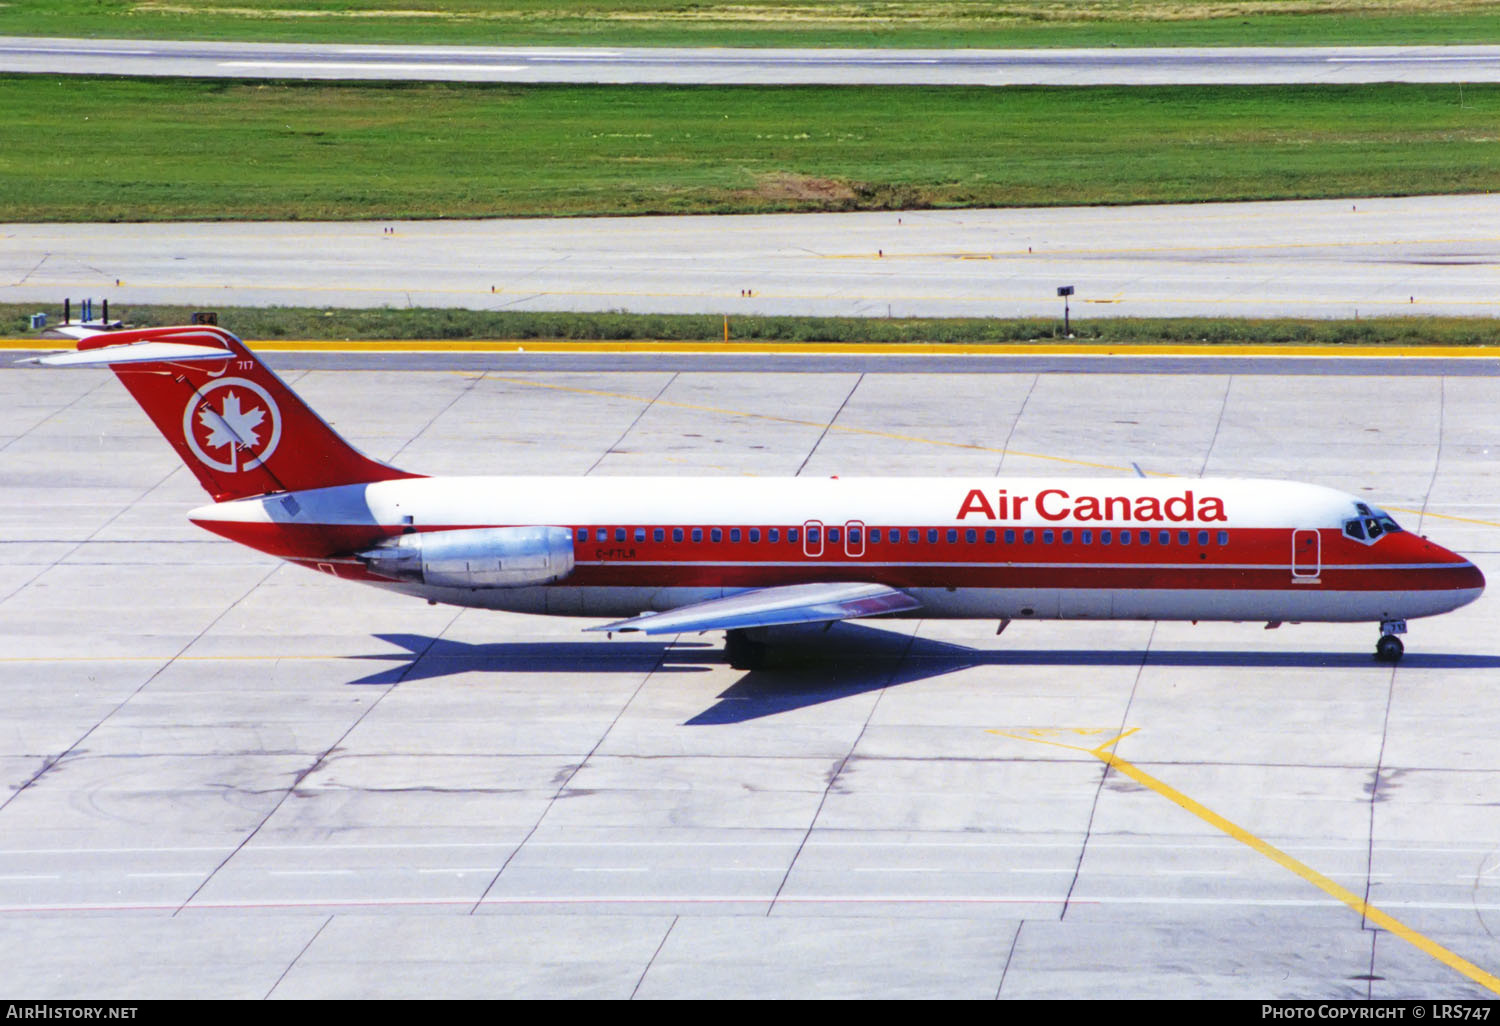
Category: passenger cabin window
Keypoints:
(659, 534)
(754, 534)
(697, 534)
(716, 534)
(734, 534)
(640, 534)
(677, 534)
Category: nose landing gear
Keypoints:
(1389, 648)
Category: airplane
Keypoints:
(745, 555)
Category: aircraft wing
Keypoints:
(769, 607)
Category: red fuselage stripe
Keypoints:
(1233, 558)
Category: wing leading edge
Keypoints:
(771, 607)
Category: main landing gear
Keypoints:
(1389, 648)
(743, 653)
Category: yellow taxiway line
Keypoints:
(750, 348)
(1385, 921)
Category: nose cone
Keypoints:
(1465, 579)
(1473, 579)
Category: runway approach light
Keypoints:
(1065, 291)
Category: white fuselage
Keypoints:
(1114, 548)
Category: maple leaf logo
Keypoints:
(230, 425)
(235, 430)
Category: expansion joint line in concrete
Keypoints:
(1015, 423)
(831, 421)
(654, 956)
(1368, 912)
(1088, 829)
(434, 418)
(49, 763)
(1010, 956)
(1208, 452)
(95, 533)
(1385, 731)
(638, 418)
(838, 770)
(317, 763)
(660, 659)
(293, 963)
(1437, 456)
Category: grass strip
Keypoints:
(269, 323)
(783, 23)
(90, 149)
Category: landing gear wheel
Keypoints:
(744, 654)
(1389, 648)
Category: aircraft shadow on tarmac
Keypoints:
(845, 661)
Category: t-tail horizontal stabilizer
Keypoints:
(237, 426)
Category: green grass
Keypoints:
(90, 149)
(262, 323)
(935, 23)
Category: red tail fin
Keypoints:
(235, 424)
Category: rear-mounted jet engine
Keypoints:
(488, 557)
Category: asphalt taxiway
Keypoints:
(228, 777)
(738, 66)
(1317, 258)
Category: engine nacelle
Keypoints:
(485, 557)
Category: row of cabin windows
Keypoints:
(913, 535)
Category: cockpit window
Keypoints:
(1370, 525)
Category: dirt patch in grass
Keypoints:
(801, 191)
